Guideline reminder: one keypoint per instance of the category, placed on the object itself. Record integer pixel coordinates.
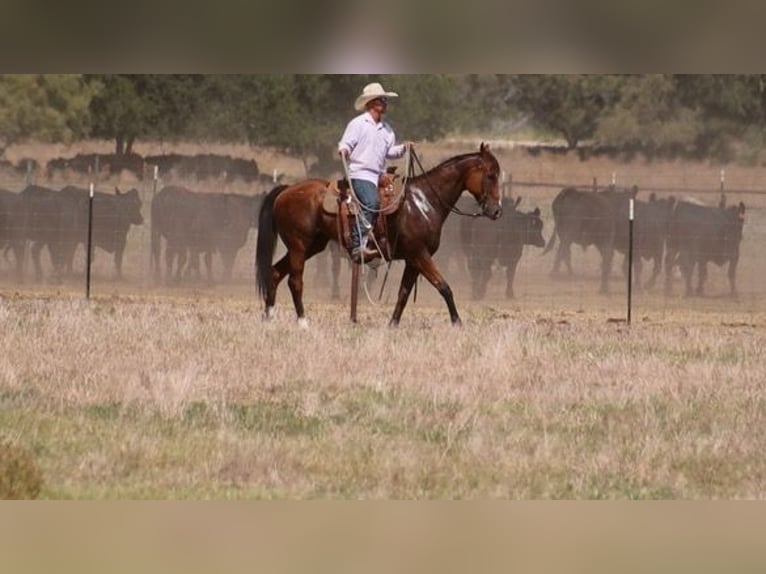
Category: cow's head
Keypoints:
(130, 206)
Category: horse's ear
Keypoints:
(483, 147)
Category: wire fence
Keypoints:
(476, 265)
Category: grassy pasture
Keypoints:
(149, 391)
(137, 398)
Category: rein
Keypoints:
(453, 208)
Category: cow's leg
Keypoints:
(118, 253)
(567, 254)
(607, 253)
(485, 274)
(510, 275)
(733, 277)
(638, 267)
(480, 271)
(671, 260)
(655, 271)
(34, 251)
(686, 264)
(563, 254)
(227, 266)
(701, 277)
(170, 256)
(18, 254)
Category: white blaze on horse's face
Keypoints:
(420, 201)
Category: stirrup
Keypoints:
(358, 254)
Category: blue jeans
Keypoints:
(367, 193)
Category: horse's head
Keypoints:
(483, 182)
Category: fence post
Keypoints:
(723, 177)
(630, 257)
(88, 246)
(154, 272)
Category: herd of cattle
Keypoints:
(195, 227)
(201, 167)
(681, 234)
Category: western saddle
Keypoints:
(338, 201)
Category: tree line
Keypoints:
(657, 115)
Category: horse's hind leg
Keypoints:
(291, 265)
(295, 283)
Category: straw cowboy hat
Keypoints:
(369, 93)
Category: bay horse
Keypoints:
(295, 214)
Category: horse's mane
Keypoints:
(453, 161)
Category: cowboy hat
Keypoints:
(371, 92)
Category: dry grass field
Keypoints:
(149, 391)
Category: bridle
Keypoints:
(482, 200)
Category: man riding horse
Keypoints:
(366, 143)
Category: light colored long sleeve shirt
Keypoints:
(369, 144)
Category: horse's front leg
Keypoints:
(436, 279)
(428, 269)
(405, 287)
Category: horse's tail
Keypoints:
(551, 241)
(267, 240)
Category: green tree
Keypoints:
(730, 108)
(649, 116)
(305, 115)
(50, 108)
(568, 105)
(130, 107)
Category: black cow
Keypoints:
(700, 234)
(53, 221)
(86, 163)
(650, 230)
(204, 167)
(451, 253)
(485, 242)
(12, 228)
(113, 214)
(198, 224)
(589, 218)
(172, 208)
